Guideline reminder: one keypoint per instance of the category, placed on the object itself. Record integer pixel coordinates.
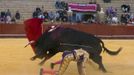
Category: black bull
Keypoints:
(50, 43)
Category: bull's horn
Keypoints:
(30, 42)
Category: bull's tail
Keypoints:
(109, 51)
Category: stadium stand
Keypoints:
(26, 7)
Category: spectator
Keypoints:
(57, 16)
(131, 21)
(57, 4)
(38, 13)
(114, 13)
(90, 18)
(115, 20)
(125, 8)
(46, 16)
(8, 19)
(38, 9)
(51, 16)
(78, 17)
(110, 13)
(13, 19)
(8, 16)
(35, 14)
(70, 14)
(114, 17)
(131, 16)
(124, 19)
(3, 16)
(41, 15)
(101, 16)
(17, 15)
(8, 13)
(61, 5)
(65, 6)
(62, 15)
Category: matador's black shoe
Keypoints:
(52, 65)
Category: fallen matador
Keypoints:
(78, 55)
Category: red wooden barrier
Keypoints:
(96, 29)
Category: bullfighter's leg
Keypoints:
(81, 68)
(55, 63)
(98, 59)
(64, 64)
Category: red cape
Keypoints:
(33, 29)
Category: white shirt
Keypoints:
(81, 53)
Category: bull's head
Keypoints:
(44, 54)
(45, 47)
(41, 45)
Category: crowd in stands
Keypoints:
(8, 17)
(112, 16)
(64, 13)
(60, 15)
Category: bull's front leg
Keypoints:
(45, 59)
(47, 56)
(33, 58)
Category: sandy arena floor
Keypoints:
(15, 59)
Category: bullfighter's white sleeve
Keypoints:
(82, 53)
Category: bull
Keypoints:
(58, 39)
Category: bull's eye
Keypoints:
(47, 52)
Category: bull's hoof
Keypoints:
(33, 58)
(103, 70)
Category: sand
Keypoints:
(15, 59)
